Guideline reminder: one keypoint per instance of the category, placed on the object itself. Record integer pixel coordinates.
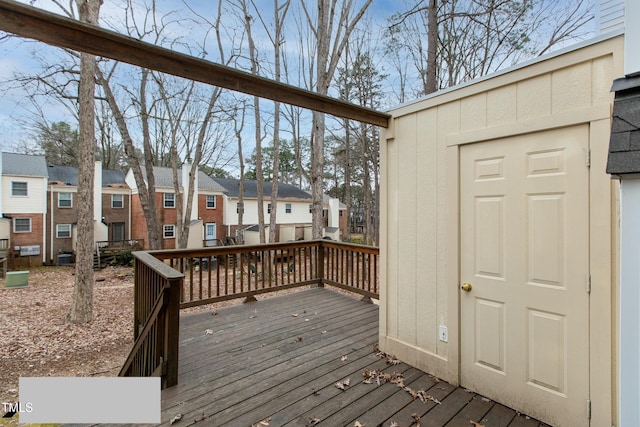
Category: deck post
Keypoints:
(172, 330)
(320, 264)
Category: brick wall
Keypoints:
(111, 215)
(27, 239)
(212, 215)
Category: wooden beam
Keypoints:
(30, 22)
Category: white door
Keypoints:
(210, 233)
(524, 303)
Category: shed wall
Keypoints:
(420, 200)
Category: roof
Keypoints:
(164, 178)
(624, 145)
(285, 191)
(24, 165)
(69, 175)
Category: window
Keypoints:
(310, 208)
(287, 208)
(238, 208)
(269, 208)
(19, 188)
(117, 201)
(63, 231)
(65, 200)
(22, 225)
(341, 213)
(169, 200)
(169, 231)
(211, 202)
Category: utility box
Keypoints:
(17, 279)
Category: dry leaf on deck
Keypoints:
(343, 358)
(264, 422)
(175, 419)
(342, 385)
(358, 424)
(475, 424)
(295, 315)
(208, 332)
(394, 424)
(313, 421)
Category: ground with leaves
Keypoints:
(37, 341)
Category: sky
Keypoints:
(17, 55)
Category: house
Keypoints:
(623, 164)
(206, 212)
(293, 218)
(112, 201)
(500, 269)
(24, 204)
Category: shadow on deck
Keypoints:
(276, 362)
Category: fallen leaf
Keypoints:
(358, 424)
(208, 332)
(299, 339)
(295, 315)
(214, 313)
(324, 332)
(313, 421)
(342, 385)
(394, 424)
(416, 420)
(265, 422)
(343, 358)
(175, 419)
(475, 424)
(484, 399)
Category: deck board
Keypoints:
(278, 360)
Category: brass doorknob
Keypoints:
(466, 287)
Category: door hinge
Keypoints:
(589, 284)
(589, 409)
(588, 159)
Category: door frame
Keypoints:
(603, 253)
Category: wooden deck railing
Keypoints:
(131, 244)
(168, 280)
(156, 320)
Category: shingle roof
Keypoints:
(24, 165)
(285, 191)
(164, 178)
(69, 175)
(624, 145)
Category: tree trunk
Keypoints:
(82, 302)
(432, 46)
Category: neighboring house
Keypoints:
(499, 270)
(293, 212)
(206, 212)
(24, 203)
(112, 199)
(624, 164)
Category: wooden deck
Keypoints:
(277, 361)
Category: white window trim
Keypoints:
(173, 231)
(58, 226)
(26, 189)
(70, 200)
(22, 231)
(173, 200)
(117, 207)
(206, 201)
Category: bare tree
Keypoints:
(82, 300)
(468, 39)
(331, 32)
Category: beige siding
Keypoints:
(420, 199)
(34, 202)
